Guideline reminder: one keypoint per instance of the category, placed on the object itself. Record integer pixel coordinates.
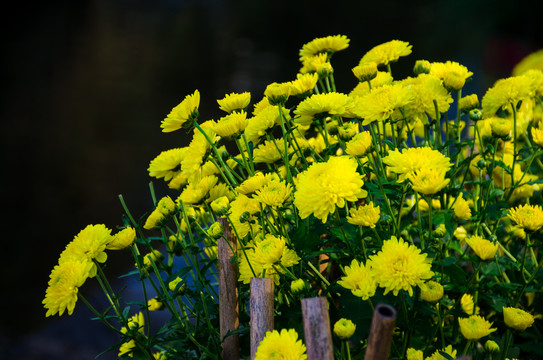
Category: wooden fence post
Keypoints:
(318, 335)
(380, 337)
(261, 310)
(228, 293)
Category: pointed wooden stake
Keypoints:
(228, 293)
(380, 338)
(318, 336)
(261, 310)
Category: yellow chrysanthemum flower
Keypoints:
(484, 249)
(328, 44)
(324, 186)
(304, 84)
(255, 182)
(491, 346)
(427, 92)
(431, 291)
(220, 205)
(272, 250)
(126, 348)
(535, 77)
(234, 101)
(359, 279)
(460, 233)
(277, 93)
(64, 283)
(428, 181)
(322, 105)
(517, 319)
(122, 239)
(422, 67)
(362, 88)
(136, 322)
(88, 245)
(359, 144)
(365, 72)
(269, 152)
(297, 285)
(317, 64)
(344, 328)
(410, 160)
(365, 215)
(275, 193)
(504, 93)
(468, 103)
(167, 164)
(348, 130)
(537, 134)
(461, 208)
(423, 205)
(186, 111)
(232, 124)
(266, 258)
(448, 350)
(413, 354)
(533, 60)
(501, 127)
(467, 304)
(174, 284)
(263, 121)
(400, 266)
(243, 225)
(441, 70)
(529, 217)
(281, 345)
(380, 103)
(218, 191)
(475, 327)
(154, 305)
(386, 53)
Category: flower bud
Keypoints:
(122, 239)
(475, 114)
(220, 205)
(460, 233)
(154, 305)
(468, 103)
(344, 328)
(440, 231)
(297, 285)
(422, 67)
(216, 230)
(244, 217)
(173, 285)
(431, 291)
(491, 346)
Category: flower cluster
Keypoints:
(408, 191)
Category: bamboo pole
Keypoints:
(261, 310)
(228, 293)
(318, 336)
(380, 338)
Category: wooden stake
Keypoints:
(380, 338)
(228, 293)
(261, 310)
(318, 336)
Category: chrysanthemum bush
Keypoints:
(409, 192)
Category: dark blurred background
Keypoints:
(87, 83)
